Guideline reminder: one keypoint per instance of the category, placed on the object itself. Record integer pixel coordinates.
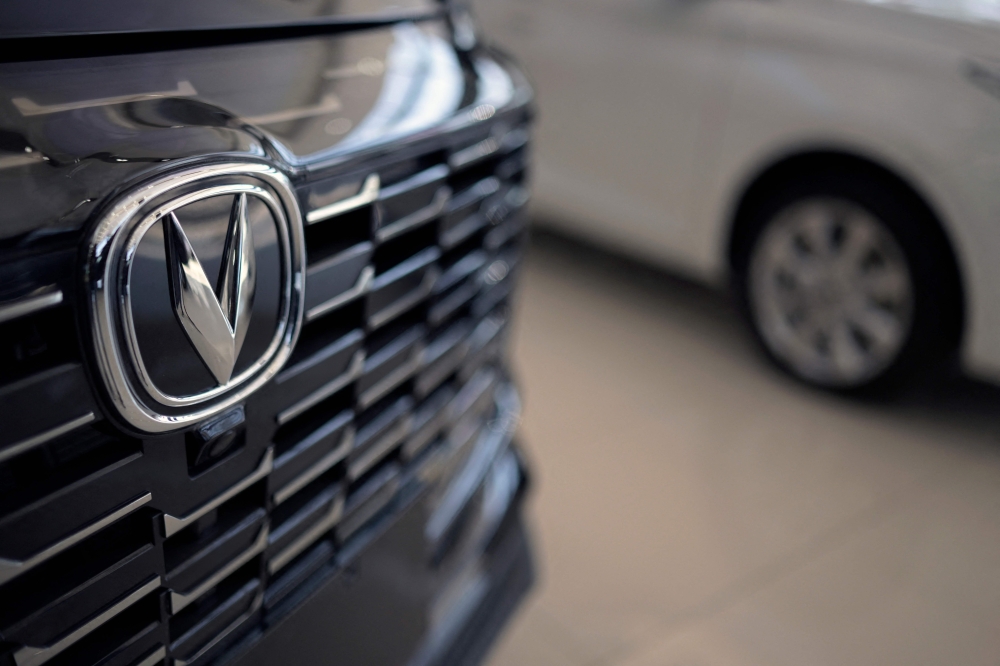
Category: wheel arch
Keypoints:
(770, 175)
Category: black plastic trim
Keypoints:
(96, 44)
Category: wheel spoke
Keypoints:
(859, 241)
(787, 258)
(878, 325)
(847, 355)
(804, 345)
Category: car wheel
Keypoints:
(840, 286)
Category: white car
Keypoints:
(837, 161)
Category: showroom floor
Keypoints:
(692, 507)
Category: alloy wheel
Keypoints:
(831, 293)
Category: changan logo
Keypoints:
(216, 321)
(195, 292)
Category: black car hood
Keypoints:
(36, 18)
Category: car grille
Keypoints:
(116, 550)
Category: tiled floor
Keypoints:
(695, 508)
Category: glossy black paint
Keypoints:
(73, 147)
(76, 132)
(53, 18)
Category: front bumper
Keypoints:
(434, 582)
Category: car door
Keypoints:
(631, 95)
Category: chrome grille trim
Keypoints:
(35, 656)
(12, 568)
(474, 153)
(360, 288)
(415, 219)
(383, 445)
(325, 391)
(393, 379)
(172, 524)
(312, 535)
(400, 306)
(425, 177)
(368, 194)
(22, 307)
(180, 600)
(323, 465)
(24, 445)
(222, 635)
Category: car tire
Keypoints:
(845, 280)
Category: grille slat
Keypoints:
(400, 288)
(52, 507)
(38, 300)
(36, 655)
(120, 642)
(367, 501)
(181, 600)
(320, 516)
(156, 656)
(200, 630)
(11, 568)
(174, 524)
(34, 343)
(366, 194)
(41, 406)
(341, 447)
(313, 374)
(412, 203)
(337, 280)
(429, 420)
(444, 355)
(289, 577)
(199, 563)
(388, 426)
(60, 577)
(353, 371)
(81, 600)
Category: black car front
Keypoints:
(256, 263)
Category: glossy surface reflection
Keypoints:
(90, 124)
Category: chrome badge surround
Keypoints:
(110, 253)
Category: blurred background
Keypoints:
(758, 335)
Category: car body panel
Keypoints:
(913, 91)
(94, 124)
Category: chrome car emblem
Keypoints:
(171, 348)
(215, 321)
